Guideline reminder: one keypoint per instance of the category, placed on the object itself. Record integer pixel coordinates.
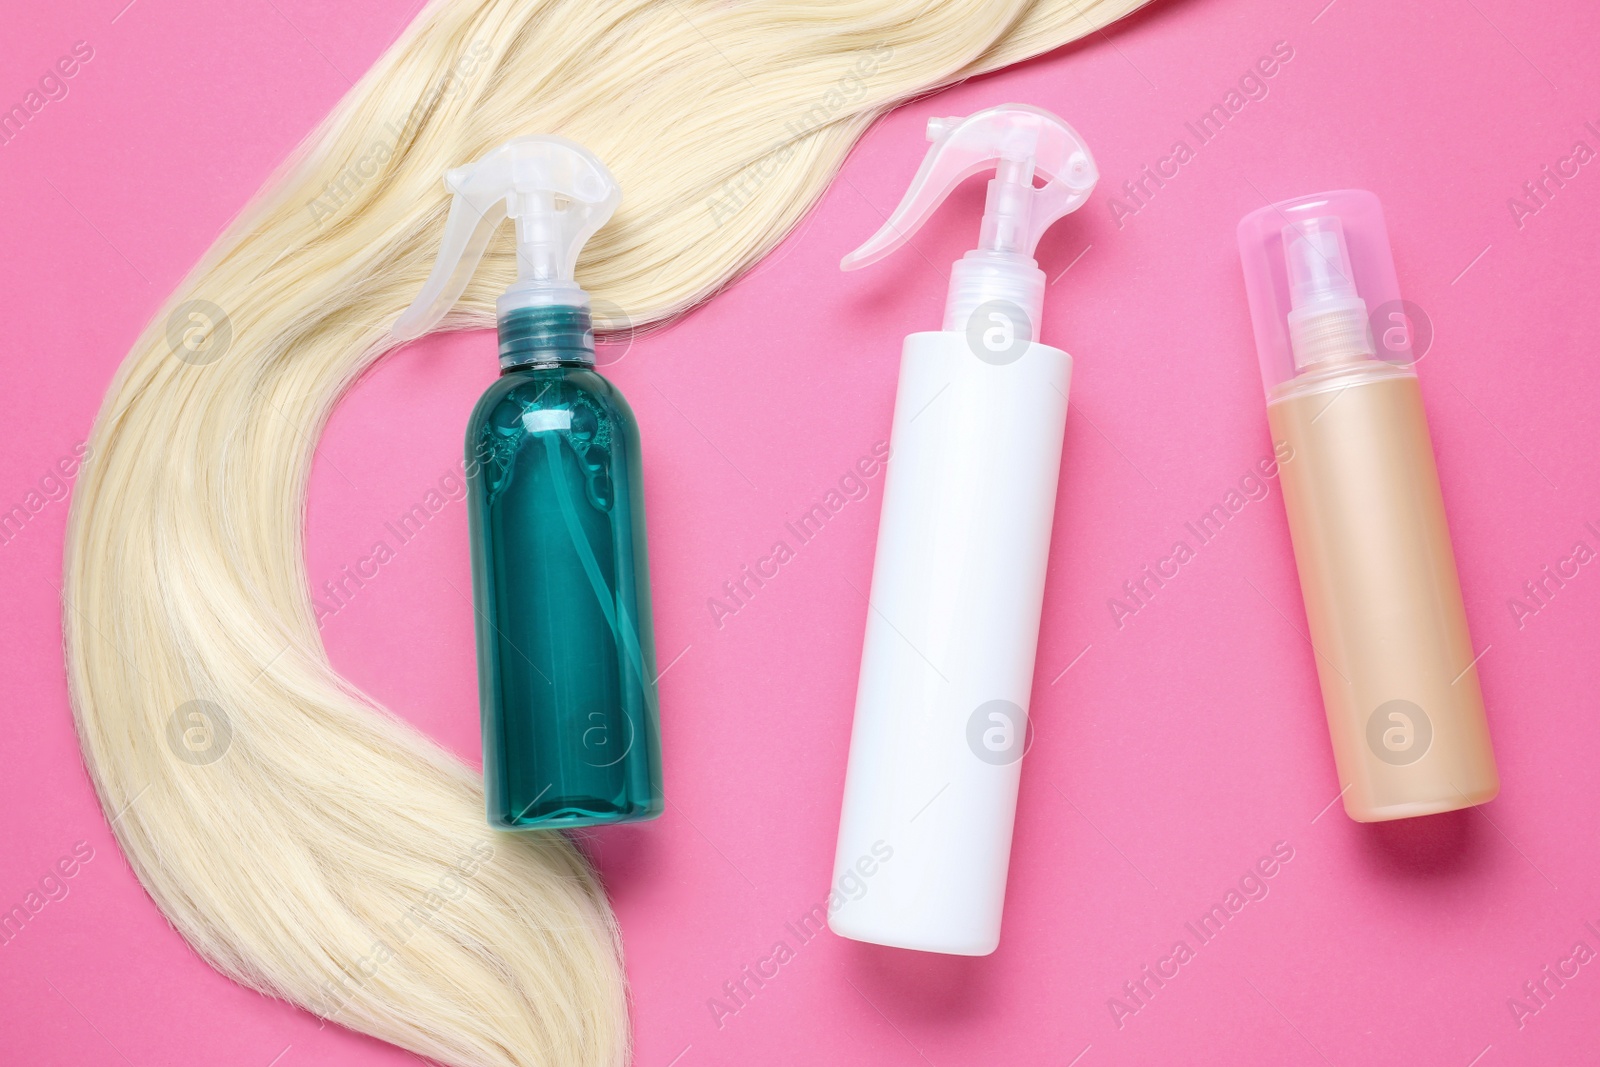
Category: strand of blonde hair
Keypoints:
(306, 842)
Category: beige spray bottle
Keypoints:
(1389, 633)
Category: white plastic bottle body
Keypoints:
(952, 631)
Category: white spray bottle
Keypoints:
(958, 582)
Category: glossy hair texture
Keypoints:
(307, 843)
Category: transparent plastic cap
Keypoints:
(1020, 142)
(1317, 270)
(558, 193)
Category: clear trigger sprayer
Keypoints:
(1020, 143)
(561, 583)
(941, 718)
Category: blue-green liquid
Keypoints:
(566, 656)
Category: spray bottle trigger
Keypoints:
(466, 235)
(558, 193)
(1019, 141)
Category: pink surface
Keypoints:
(1173, 752)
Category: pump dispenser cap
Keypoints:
(558, 193)
(1020, 142)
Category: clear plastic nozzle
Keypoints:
(558, 193)
(1018, 140)
(1318, 264)
(1322, 286)
(1021, 143)
(1328, 318)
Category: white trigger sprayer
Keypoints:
(941, 718)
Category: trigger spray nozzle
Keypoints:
(1021, 143)
(558, 194)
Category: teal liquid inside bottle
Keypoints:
(566, 655)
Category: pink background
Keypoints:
(1174, 753)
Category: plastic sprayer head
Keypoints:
(1317, 261)
(558, 193)
(1328, 319)
(1319, 272)
(1019, 142)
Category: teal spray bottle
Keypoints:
(561, 586)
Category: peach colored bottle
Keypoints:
(1398, 671)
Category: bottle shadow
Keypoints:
(921, 986)
(1432, 847)
(626, 855)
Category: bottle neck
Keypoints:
(547, 335)
(986, 281)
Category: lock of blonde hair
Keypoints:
(307, 843)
